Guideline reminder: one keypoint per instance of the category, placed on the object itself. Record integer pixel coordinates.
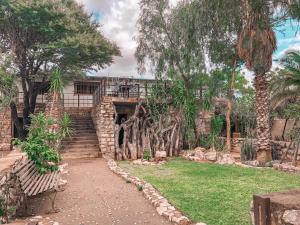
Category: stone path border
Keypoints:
(163, 207)
(285, 167)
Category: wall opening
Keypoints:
(121, 118)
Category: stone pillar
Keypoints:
(5, 129)
(103, 117)
(54, 106)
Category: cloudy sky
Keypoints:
(119, 17)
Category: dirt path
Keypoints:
(94, 195)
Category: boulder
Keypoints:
(291, 217)
(199, 153)
(200, 149)
(211, 156)
(160, 155)
(226, 159)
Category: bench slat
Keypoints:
(20, 165)
(36, 184)
(25, 168)
(47, 185)
(36, 191)
(32, 182)
(29, 177)
(54, 180)
(25, 176)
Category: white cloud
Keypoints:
(118, 19)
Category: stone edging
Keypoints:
(226, 159)
(163, 207)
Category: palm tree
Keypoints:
(285, 86)
(256, 44)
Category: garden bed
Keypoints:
(212, 193)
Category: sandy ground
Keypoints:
(95, 195)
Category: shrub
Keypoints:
(147, 154)
(248, 151)
(42, 143)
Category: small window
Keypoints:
(85, 88)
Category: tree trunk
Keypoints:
(17, 123)
(229, 106)
(263, 133)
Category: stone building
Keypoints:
(100, 101)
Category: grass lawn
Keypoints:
(211, 193)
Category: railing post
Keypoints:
(262, 212)
(78, 100)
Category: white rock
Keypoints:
(291, 217)
(225, 159)
(161, 154)
(211, 156)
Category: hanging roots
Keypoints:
(142, 132)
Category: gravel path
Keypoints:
(94, 195)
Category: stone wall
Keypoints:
(278, 147)
(10, 190)
(5, 129)
(103, 118)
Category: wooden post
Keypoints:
(262, 212)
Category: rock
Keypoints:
(291, 217)
(254, 163)
(211, 156)
(225, 159)
(199, 153)
(200, 149)
(33, 223)
(160, 155)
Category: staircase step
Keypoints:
(83, 142)
(81, 155)
(82, 145)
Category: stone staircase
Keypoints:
(83, 142)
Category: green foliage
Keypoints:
(2, 206)
(56, 82)
(285, 83)
(8, 88)
(173, 94)
(60, 33)
(248, 151)
(41, 145)
(215, 131)
(244, 112)
(65, 129)
(147, 154)
(47, 34)
(6, 210)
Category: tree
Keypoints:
(44, 35)
(167, 42)
(255, 45)
(285, 84)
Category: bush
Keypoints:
(147, 154)
(42, 143)
(248, 151)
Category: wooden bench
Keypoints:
(33, 183)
